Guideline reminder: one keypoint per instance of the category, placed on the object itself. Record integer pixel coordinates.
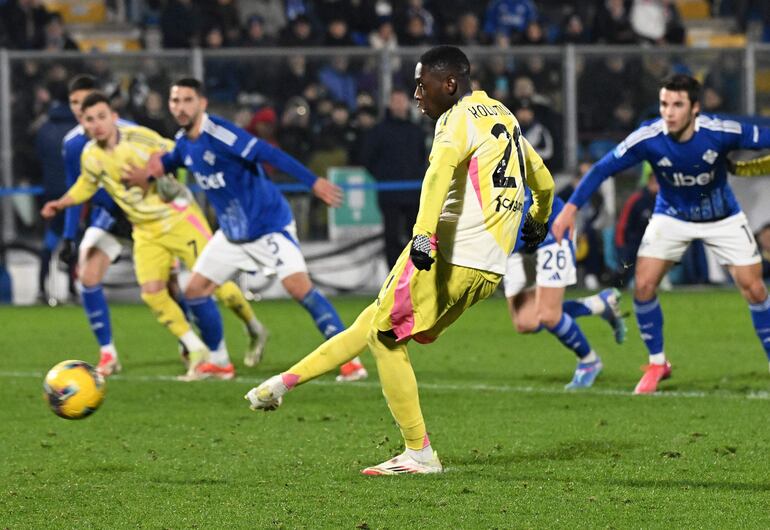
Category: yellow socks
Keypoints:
(167, 311)
(231, 296)
(336, 351)
(399, 386)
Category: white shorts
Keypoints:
(222, 259)
(555, 268)
(99, 238)
(730, 239)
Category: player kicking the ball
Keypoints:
(688, 153)
(471, 207)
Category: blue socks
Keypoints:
(209, 320)
(576, 308)
(181, 301)
(324, 315)
(569, 334)
(760, 317)
(95, 305)
(650, 319)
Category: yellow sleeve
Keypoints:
(754, 167)
(540, 182)
(149, 138)
(449, 148)
(87, 183)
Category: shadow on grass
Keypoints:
(688, 483)
(575, 450)
(182, 481)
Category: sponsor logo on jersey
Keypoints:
(710, 156)
(679, 179)
(188, 161)
(214, 181)
(209, 157)
(504, 203)
(664, 162)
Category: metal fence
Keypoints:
(585, 97)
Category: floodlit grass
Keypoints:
(519, 451)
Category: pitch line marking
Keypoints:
(482, 387)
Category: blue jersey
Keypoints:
(72, 147)
(225, 161)
(558, 204)
(692, 175)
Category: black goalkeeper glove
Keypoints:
(533, 233)
(420, 253)
(69, 251)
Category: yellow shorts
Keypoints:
(154, 254)
(422, 304)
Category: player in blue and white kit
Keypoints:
(256, 226)
(543, 306)
(108, 230)
(688, 153)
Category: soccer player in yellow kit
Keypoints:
(163, 231)
(470, 210)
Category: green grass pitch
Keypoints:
(519, 451)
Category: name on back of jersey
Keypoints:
(479, 110)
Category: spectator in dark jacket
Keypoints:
(56, 36)
(394, 150)
(48, 144)
(612, 23)
(180, 24)
(633, 221)
(22, 24)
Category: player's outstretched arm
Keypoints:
(564, 222)
(51, 208)
(260, 151)
(328, 192)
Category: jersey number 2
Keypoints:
(499, 177)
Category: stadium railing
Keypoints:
(574, 87)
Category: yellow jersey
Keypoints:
(473, 192)
(103, 168)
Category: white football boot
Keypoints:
(256, 349)
(268, 395)
(194, 360)
(405, 464)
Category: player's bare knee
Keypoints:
(153, 287)
(644, 289)
(549, 318)
(755, 292)
(199, 286)
(297, 285)
(90, 276)
(525, 326)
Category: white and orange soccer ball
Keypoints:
(74, 389)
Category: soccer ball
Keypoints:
(73, 389)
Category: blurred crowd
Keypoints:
(245, 23)
(324, 109)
